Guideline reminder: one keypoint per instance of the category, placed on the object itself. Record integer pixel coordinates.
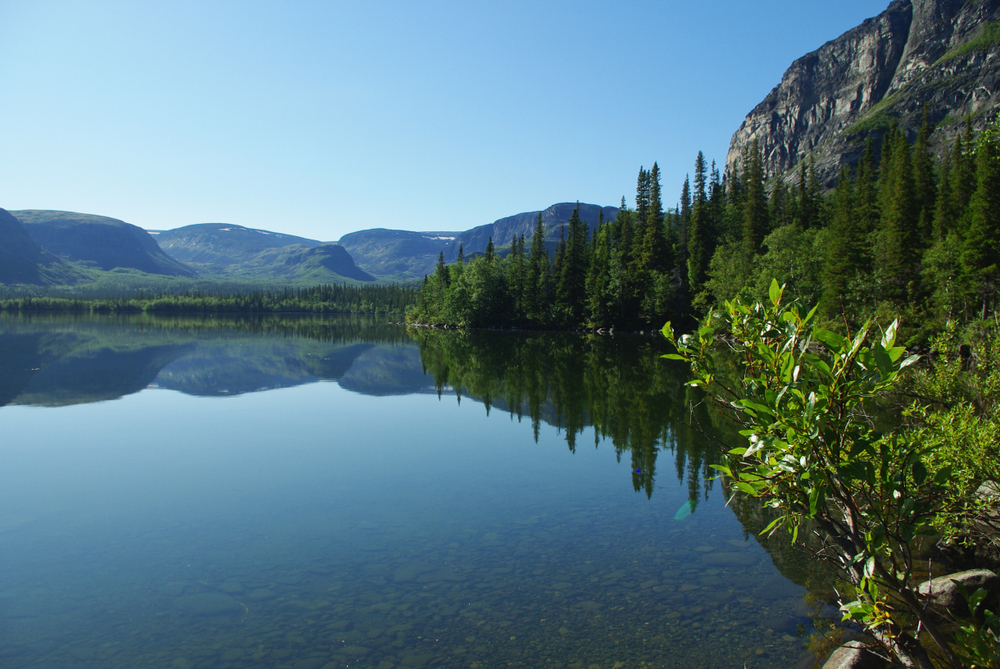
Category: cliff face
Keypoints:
(942, 53)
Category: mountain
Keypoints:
(398, 254)
(235, 253)
(505, 229)
(22, 260)
(221, 243)
(403, 255)
(326, 263)
(98, 241)
(944, 54)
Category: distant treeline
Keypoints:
(333, 299)
(903, 233)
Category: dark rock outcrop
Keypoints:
(944, 54)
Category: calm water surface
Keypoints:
(324, 494)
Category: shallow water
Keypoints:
(296, 517)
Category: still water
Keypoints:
(319, 494)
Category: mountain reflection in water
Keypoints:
(639, 564)
(617, 385)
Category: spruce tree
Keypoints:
(538, 273)
(866, 206)
(963, 164)
(981, 254)
(755, 214)
(900, 221)
(845, 249)
(684, 223)
(700, 243)
(777, 206)
(944, 209)
(925, 190)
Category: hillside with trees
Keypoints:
(904, 233)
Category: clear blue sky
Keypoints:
(322, 118)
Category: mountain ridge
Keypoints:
(944, 54)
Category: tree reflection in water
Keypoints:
(617, 385)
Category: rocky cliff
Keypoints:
(942, 54)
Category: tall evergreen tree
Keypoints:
(572, 270)
(684, 223)
(755, 212)
(925, 189)
(981, 254)
(945, 215)
(777, 205)
(963, 164)
(845, 249)
(900, 221)
(866, 206)
(700, 242)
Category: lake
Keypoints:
(339, 492)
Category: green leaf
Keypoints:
(942, 476)
(889, 337)
(724, 469)
(746, 488)
(767, 530)
(815, 498)
(774, 292)
(833, 340)
(919, 472)
(882, 360)
(668, 331)
(673, 356)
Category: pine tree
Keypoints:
(655, 215)
(981, 254)
(642, 196)
(777, 206)
(684, 223)
(572, 270)
(845, 249)
(944, 209)
(441, 271)
(700, 243)
(900, 222)
(963, 164)
(866, 206)
(538, 273)
(755, 214)
(925, 190)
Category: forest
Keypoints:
(903, 233)
(323, 299)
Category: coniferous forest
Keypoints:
(902, 233)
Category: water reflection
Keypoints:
(60, 361)
(387, 526)
(618, 386)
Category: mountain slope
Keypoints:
(397, 254)
(402, 255)
(326, 263)
(22, 260)
(942, 53)
(221, 243)
(105, 243)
